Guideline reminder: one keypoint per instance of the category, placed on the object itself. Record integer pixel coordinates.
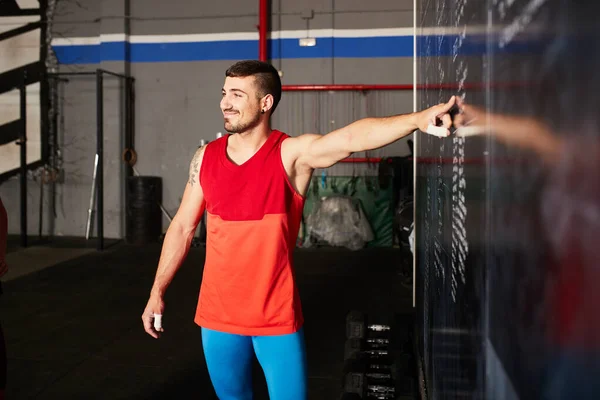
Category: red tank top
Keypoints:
(253, 216)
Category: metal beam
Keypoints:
(20, 30)
(33, 73)
(10, 132)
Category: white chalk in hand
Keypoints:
(157, 321)
(438, 131)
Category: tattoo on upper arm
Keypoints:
(194, 167)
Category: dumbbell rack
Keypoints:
(377, 360)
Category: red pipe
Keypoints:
(430, 160)
(263, 17)
(290, 88)
(408, 86)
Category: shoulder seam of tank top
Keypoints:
(210, 147)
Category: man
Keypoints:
(252, 183)
(3, 270)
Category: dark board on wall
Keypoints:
(508, 207)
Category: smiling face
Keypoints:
(240, 104)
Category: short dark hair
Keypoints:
(266, 77)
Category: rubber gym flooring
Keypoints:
(74, 331)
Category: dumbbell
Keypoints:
(369, 380)
(370, 348)
(363, 387)
(357, 327)
(381, 380)
(372, 368)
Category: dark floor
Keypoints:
(74, 331)
(14, 242)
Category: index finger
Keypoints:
(147, 320)
(444, 108)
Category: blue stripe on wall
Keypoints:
(400, 46)
(200, 51)
(114, 51)
(368, 47)
(79, 54)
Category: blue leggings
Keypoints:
(229, 360)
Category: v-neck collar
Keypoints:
(232, 165)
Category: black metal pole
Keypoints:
(132, 112)
(23, 144)
(88, 73)
(41, 210)
(100, 151)
(113, 74)
(54, 88)
(128, 123)
(127, 144)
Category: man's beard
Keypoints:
(242, 126)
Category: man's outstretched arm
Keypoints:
(176, 243)
(322, 151)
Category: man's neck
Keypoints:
(252, 139)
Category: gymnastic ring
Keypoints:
(129, 156)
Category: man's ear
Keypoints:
(266, 103)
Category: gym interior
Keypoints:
(459, 267)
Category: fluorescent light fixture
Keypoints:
(308, 42)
